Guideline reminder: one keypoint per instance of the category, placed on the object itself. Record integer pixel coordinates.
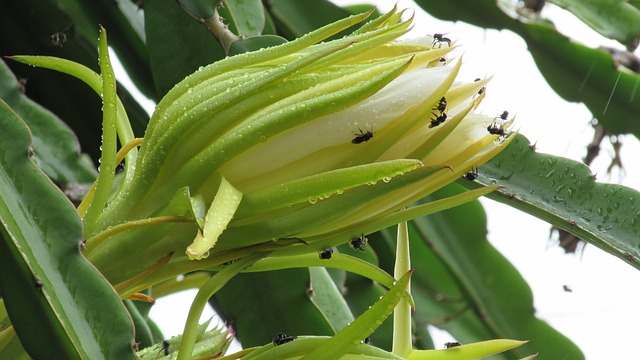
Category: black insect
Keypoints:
(58, 39)
(441, 106)
(366, 340)
(166, 347)
(30, 151)
(438, 120)
(504, 115)
(451, 344)
(227, 263)
(325, 254)
(438, 39)
(362, 137)
(38, 284)
(495, 129)
(282, 338)
(358, 243)
(120, 167)
(481, 89)
(471, 175)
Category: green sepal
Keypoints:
(363, 326)
(321, 186)
(472, 351)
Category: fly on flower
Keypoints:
(362, 137)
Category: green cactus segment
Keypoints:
(283, 296)
(89, 77)
(56, 149)
(473, 351)
(563, 193)
(42, 269)
(495, 292)
(617, 19)
(327, 298)
(218, 216)
(363, 326)
(245, 17)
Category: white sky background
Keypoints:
(600, 313)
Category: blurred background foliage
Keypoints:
(461, 284)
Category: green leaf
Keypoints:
(55, 148)
(172, 57)
(55, 298)
(562, 192)
(496, 291)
